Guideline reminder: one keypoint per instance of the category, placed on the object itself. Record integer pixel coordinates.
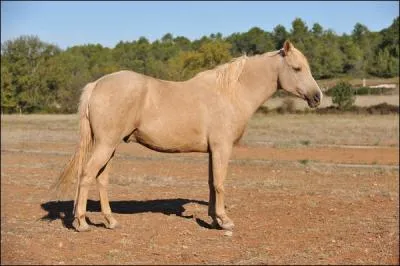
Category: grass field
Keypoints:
(328, 83)
(301, 189)
(361, 100)
(365, 100)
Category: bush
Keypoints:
(383, 109)
(263, 110)
(343, 95)
(373, 91)
(367, 91)
(288, 106)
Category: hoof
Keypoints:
(111, 223)
(80, 227)
(227, 224)
(215, 225)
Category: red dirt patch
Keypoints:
(285, 212)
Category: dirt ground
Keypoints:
(300, 202)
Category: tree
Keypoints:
(255, 41)
(214, 53)
(360, 33)
(8, 93)
(68, 73)
(386, 61)
(352, 56)
(167, 38)
(217, 36)
(332, 57)
(317, 30)
(27, 57)
(368, 42)
(40, 77)
(279, 35)
(299, 34)
(132, 55)
(188, 63)
(182, 43)
(385, 65)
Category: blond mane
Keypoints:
(228, 74)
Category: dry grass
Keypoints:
(39, 128)
(311, 129)
(365, 100)
(327, 83)
(279, 130)
(293, 129)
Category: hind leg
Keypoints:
(102, 184)
(100, 157)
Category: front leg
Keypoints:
(219, 158)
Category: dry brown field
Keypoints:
(362, 101)
(301, 189)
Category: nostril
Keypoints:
(317, 97)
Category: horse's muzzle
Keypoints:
(314, 100)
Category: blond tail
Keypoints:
(73, 169)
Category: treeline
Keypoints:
(40, 77)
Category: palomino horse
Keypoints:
(207, 113)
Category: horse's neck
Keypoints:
(258, 81)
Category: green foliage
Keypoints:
(40, 77)
(8, 93)
(343, 95)
(373, 91)
(366, 91)
(299, 34)
(24, 86)
(279, 35)
(352, 56)
(288, 106)
(255, 41)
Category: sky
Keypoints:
(70, 23)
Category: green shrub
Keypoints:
(343, 95)
(367, 91)
(288, 106)
(263, 110)
(373, 91)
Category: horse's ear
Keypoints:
(287, 46)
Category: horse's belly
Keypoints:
(164, 140)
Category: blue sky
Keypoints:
(76, 23)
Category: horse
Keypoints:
(207, 113)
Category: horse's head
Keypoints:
(295, 75)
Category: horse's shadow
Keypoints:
(63, 210)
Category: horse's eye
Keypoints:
(297, 69)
